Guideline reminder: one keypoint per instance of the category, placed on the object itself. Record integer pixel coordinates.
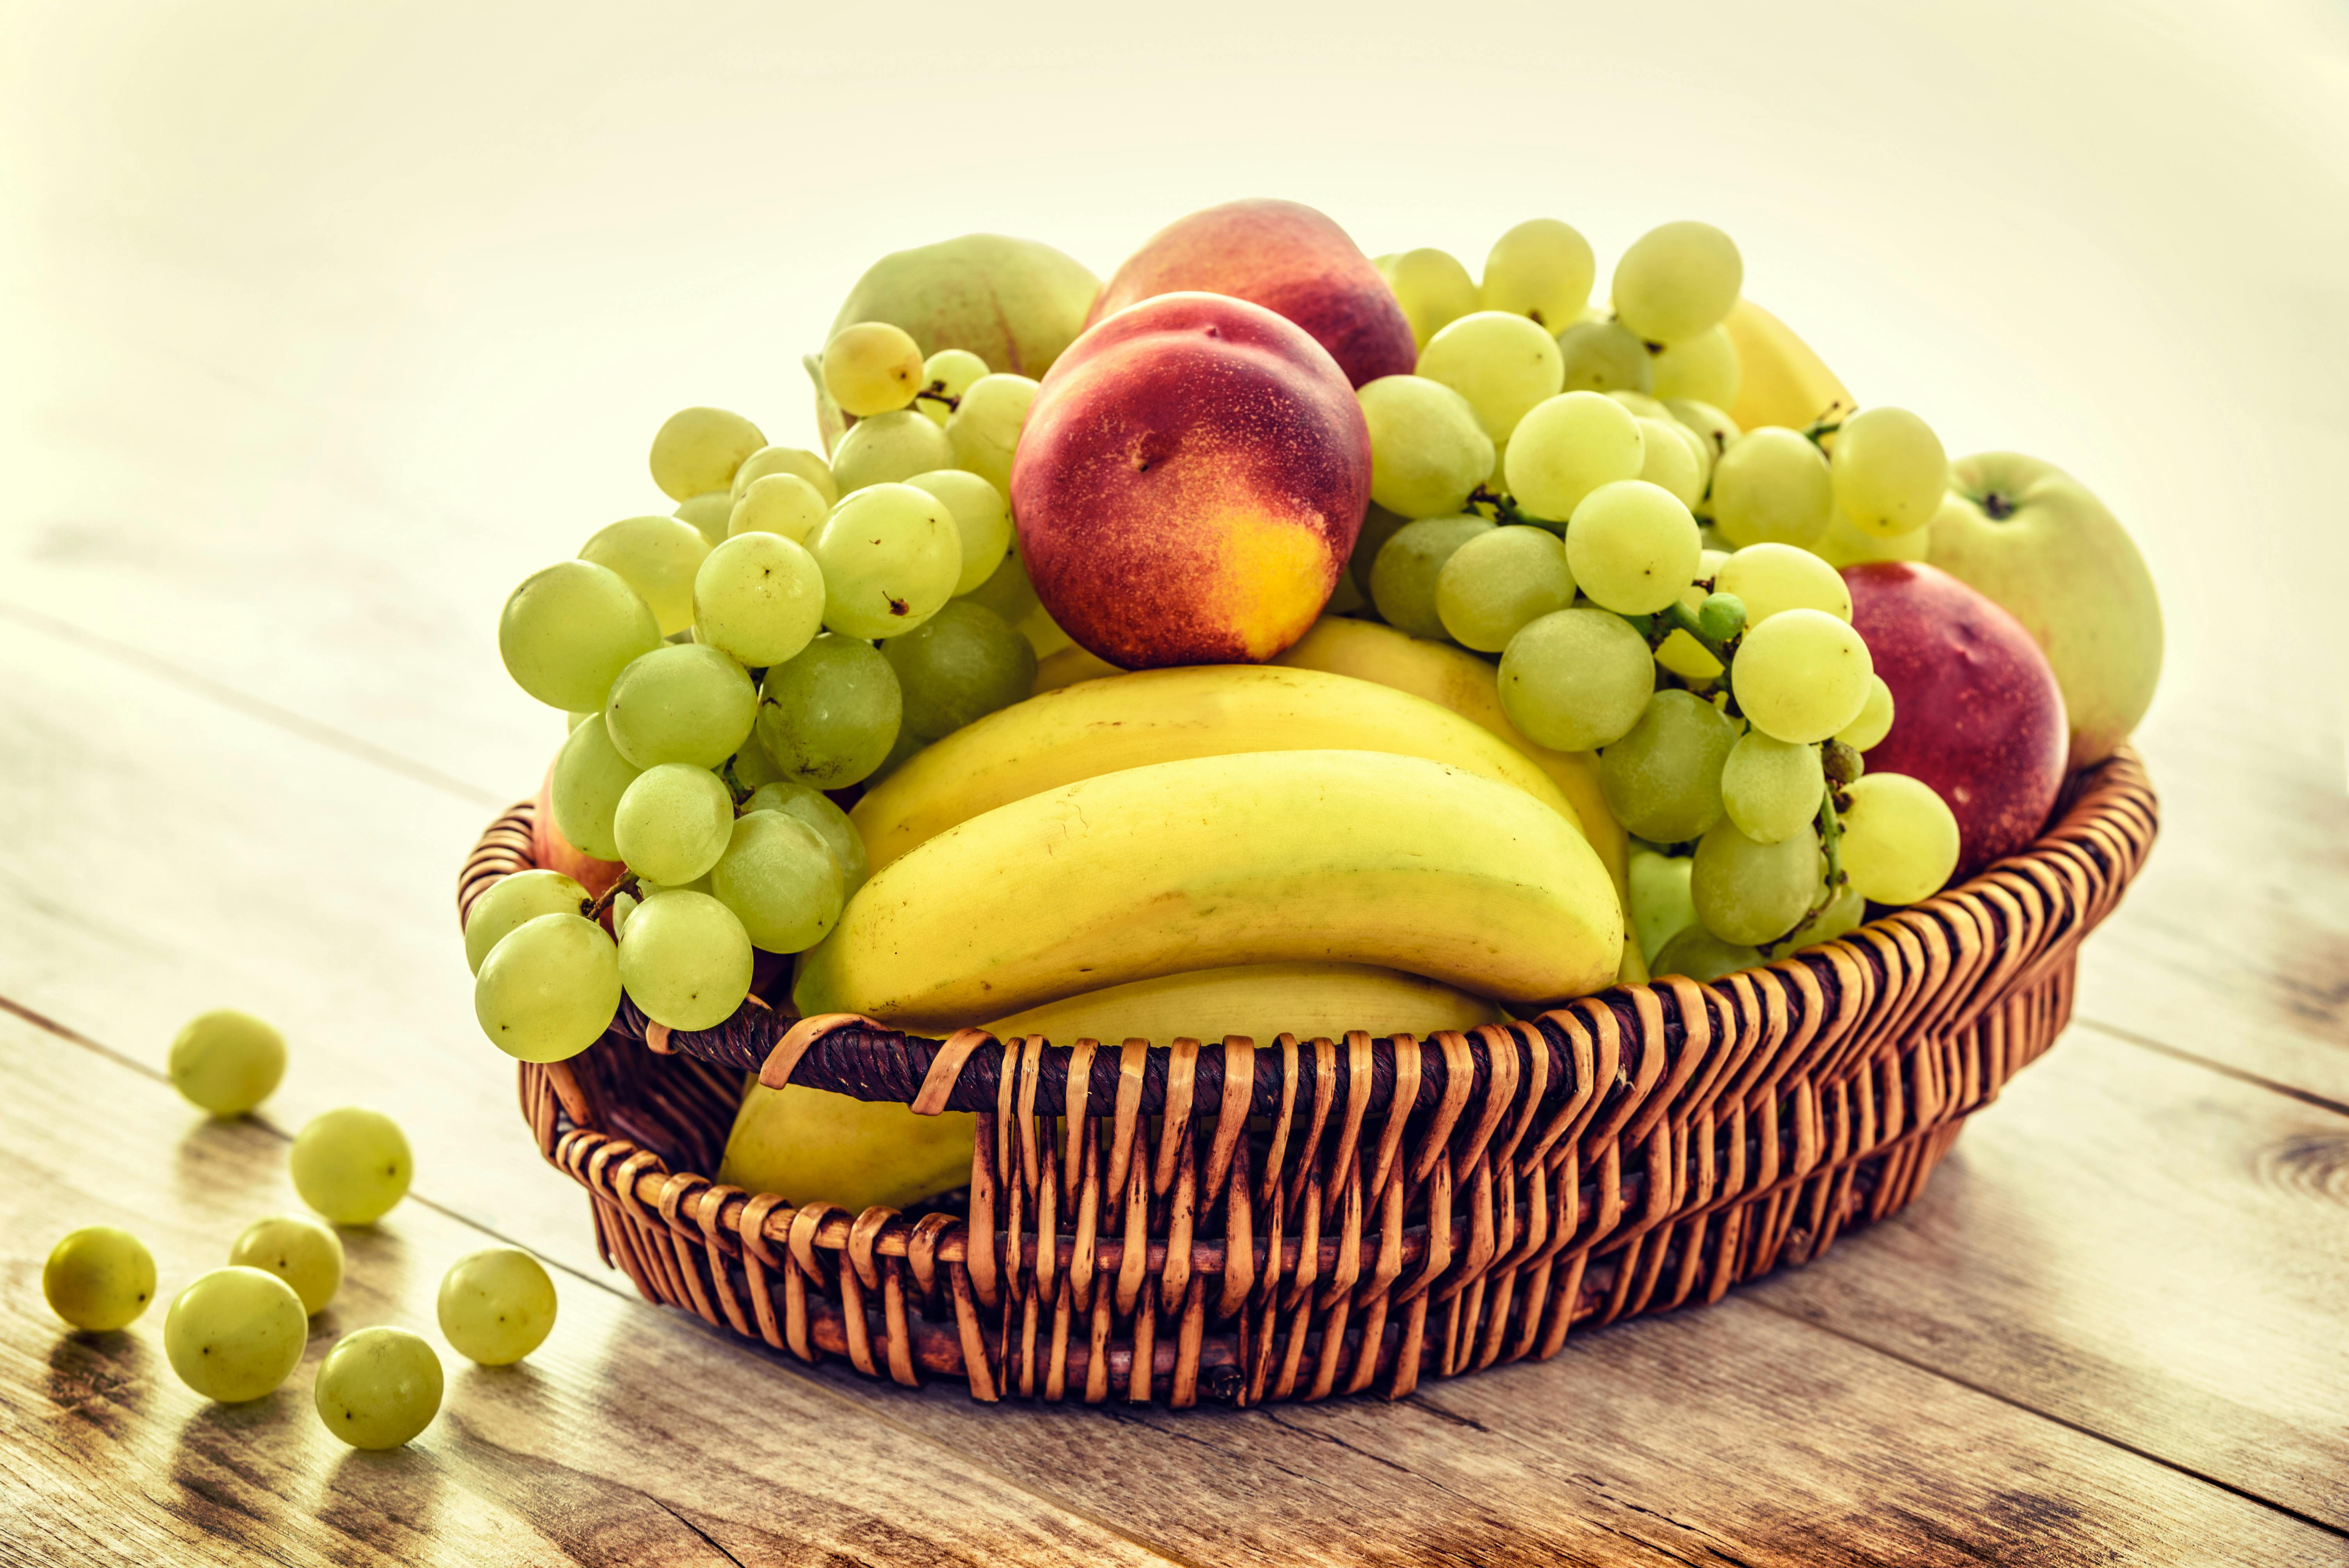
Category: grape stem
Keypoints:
(1831, 839)
(626, 884)
(1830, 421)
(937, 393)
(1505, 510)
(1678, 618)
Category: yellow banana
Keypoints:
(1259, 858)
(1457, 679)
(1261, 1001)
(813, 1147)
(1780, 381)
(1159, 716)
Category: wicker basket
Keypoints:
(1164, 1221)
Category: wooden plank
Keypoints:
(192, 856)
(627, 1438)
(2133, 1244)
(2233, 944)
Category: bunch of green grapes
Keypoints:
(796, 626)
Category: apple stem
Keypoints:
(1505, 509)
(627, 884)
(937, 393)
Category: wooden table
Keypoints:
(328, 326)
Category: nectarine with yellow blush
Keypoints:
(1189, 483)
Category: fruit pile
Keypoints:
(1296, 652)
(235, 1333)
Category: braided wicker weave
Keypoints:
(1306, 1218)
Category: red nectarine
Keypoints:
(1288, 258)
(1189, 483)
(1976, 712)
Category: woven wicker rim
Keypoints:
(1626, 1152)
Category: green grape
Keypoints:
(985, 429)
(226, 1061)
(98, 1278)
(1541, 270)
(1632, 547)
(1696, 953)
(698, 450)
(568, 632)
(1502, 364)
(1875, 721)
(961, 665)
(1642, 405)
(672, 823)
(1753, 894)
(1889, 471)
(951, 371)
(378, 1388)
(1844, 545)
(548, 991)
(352, 1165)
(1568, 447)
(684, 703)
(496, 1305)
(889, 449)
(1707, 423)
(778, 504)
(1680, 652)
(1577, 680)
(872, 368)
(1006, 589)
(1705, 368)
(832, 824)
(1801, 676)
(1771, 486)
(590, 776)
(303, 1252)
(1404, 577)
(1769, 578)
(758, 599)
(706, 514)
(1662, 779)
(982, 521)
(1772, 788)
(1722, 616)
(1701, 449)
(1841, 915)
(1661, 909)
(657, 557)
(1498, 581)
(891, 557)
(779, 879)
(1433, 289)
(235, 1333)
(1677, 281)
(1669, 460)
(1841, 761)
(686, 960)
(1602, 356)
(1379, 525)
(510, 901)
(809, 466)
(750, 766)
(623, 906)
(829, 715)
(1427, 450)
(1901, 841)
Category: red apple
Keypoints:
(1189, 483)
(1976, 711)
(1288, 258)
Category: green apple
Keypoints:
(1016, 303)
(2032, 537)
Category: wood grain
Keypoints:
(629, 1437)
